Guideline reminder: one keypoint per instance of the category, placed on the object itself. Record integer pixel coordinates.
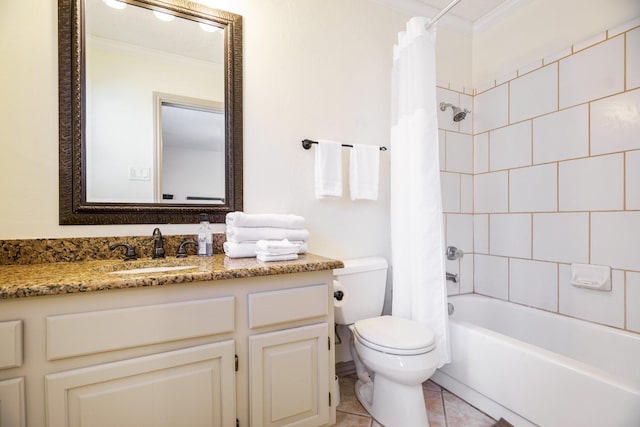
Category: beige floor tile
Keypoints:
(435, 409)
(430, 385)
(344, 419)
(348, 400)
(460, 414)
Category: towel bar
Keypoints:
(306, 144)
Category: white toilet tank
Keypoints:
(363, 281)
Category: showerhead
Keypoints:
(458, 113)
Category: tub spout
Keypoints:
(453, 277)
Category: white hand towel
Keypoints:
(364, 165)
(253, 234)
(239, 250)
(241, 219)
(266, 257)
(248, 249)
(276, 247)
(328, 169)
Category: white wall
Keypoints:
(312, 69)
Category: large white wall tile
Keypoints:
(595, 306)
(491, 109)
(466, 125)
(450, 187)
(491, 276)
(466, 193)
(594, 183)
(490, 192)
(615, 123)
(510, 147)
(481, 153)
(533, 189)
(561, 135)
(592, 73)
(510, 235)
(561, 237)
(615, 239)
(481, 233)
(632, 166)
(460, 231)
(466, 274)
(633, 58)
(534, 94)
(633, 301)
(534, 283)
(459, 152)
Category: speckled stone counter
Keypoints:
(18, 281)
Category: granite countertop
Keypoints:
(19, 281)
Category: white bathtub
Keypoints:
(538, 368)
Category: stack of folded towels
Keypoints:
(269, 237)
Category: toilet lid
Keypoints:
(395, 335)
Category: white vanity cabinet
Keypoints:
(255, 351)
(289, 367)
(12, 409)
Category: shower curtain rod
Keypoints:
(443, 12)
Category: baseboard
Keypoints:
(345, 368)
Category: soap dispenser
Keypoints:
(205, 238)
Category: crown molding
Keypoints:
(496, 14)
(416, 8)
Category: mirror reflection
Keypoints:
(155, 125)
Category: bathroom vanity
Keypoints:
(200, 341)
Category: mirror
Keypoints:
(150, 111)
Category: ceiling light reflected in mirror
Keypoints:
(116, 4)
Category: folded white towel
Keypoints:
(248, 249)
(276, 247)
(241, 219)
(239, 250)
(364, 164)
(267, 257)
(253, 234)
(328, 169)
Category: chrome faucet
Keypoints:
(158, 244)
(453, 277)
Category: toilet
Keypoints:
(393, 356)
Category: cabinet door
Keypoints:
(12, 408)
(192, 387)
(289, 377)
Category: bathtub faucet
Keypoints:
(453, 277)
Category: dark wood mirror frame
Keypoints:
(74, 209)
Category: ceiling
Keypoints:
(467, 15)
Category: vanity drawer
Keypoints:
(288, 305)
(10, 344)
(78, 334)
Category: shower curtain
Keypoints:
(417, 237)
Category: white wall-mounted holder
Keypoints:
(596, 277)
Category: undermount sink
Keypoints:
(159, 269)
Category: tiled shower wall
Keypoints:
(556, 180)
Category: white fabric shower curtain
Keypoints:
(417, 237)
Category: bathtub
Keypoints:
(536, 368)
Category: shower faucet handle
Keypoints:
(454, 253)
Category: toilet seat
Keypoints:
(394, 335)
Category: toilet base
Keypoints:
(393, 404)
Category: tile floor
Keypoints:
(444, 409)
